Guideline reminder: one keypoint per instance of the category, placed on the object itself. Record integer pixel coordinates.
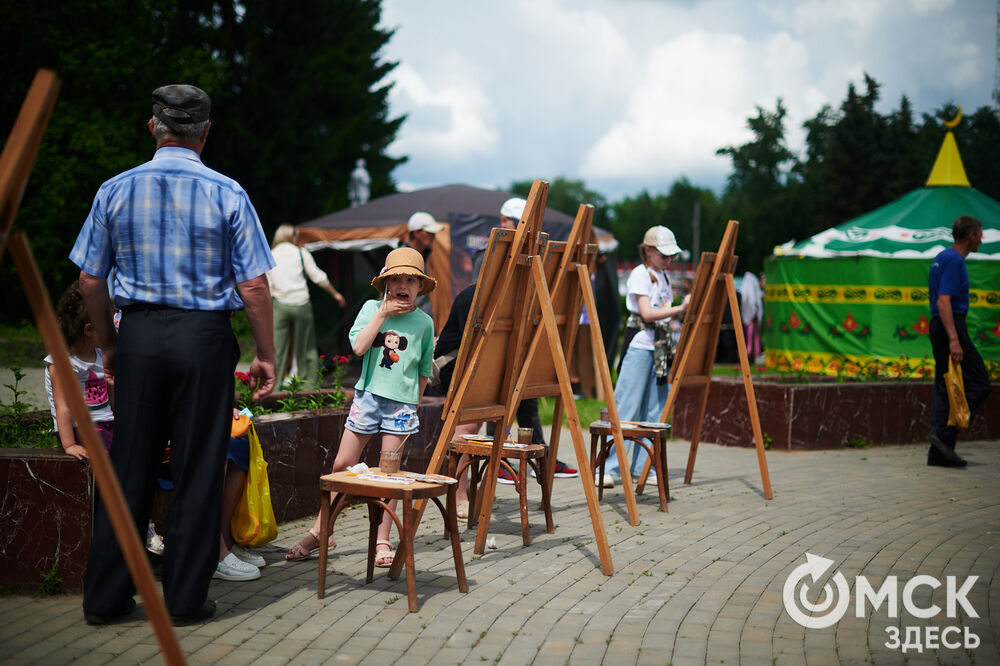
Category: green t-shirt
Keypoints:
(403, 349)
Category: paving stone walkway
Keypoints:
(701, 584)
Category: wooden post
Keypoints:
(16, 162)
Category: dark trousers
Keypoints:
(173, 382)
(974, 376)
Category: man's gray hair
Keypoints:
(189, 131)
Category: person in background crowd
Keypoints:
(421, 228)
(642, 386)
(949, 300)
(293, 313)
(752, 314)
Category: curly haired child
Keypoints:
(87, 362)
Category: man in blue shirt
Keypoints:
(949, 300)
(180, 238)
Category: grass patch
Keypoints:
(21, 345)
(588, 408)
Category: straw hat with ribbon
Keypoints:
(404, 261)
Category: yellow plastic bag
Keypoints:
(253, 521)
(958, 408)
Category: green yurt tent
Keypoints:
(852, 300)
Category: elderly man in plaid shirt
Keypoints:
(180, 239)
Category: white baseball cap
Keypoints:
(662, 239)
(513, 208)
(421, 221)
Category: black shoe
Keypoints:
(947, 453)
(206, 611)
(941, 462)
(110, 618)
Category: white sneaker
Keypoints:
(233, 568)
(154, 542)
(248, 556)
(609, 481)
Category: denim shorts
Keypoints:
(371, 413)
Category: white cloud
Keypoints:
(631, 94)
(927, 6)
(697, 93)
(453, 120)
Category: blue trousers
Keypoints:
(639, 398)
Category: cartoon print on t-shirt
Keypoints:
(95, 391)
(390, 341)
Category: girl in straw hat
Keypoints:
(396, 341)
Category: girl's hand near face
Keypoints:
(393, 306)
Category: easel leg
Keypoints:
(487, 492)
(696, 432)
(597, 344)
(104, 474)
(552, 332)
(758, 436)
(553, 452)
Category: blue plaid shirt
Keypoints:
(176, 233)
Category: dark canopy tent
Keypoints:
(368, 232)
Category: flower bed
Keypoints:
(820, 415)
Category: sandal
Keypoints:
(383, 559)
(308, 547)
(462, 510)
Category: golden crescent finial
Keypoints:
(953, 123)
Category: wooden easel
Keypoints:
(568, 266)
(16, 162)
(695, 356)
(493, 351)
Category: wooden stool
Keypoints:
(479, 453)
(601, 441)
(376, 494)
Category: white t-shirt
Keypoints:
(95, 388)
(644, 281)
(287, 279)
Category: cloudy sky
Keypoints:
(633, 94)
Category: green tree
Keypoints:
(632, 216)
(298, 95)
(978, 138)
(756, 194)
(566, 196)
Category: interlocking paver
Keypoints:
(701, 584)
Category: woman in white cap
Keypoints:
(642, 386)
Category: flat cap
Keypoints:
(181, 104)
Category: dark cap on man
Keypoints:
(181, 104)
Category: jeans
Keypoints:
(639, 398)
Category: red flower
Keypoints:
(242, 376)
(794, 321)
(996, 329)
(849, 323)
(922, 327)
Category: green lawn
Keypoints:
(21, 346)
(588, 408)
